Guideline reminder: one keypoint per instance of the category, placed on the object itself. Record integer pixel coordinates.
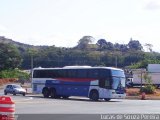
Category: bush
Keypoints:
(15, 73)
(148, 89)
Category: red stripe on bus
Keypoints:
(75, 79)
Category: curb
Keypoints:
(146, 98)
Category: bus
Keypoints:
(92, 82)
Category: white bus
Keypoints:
(92, 82)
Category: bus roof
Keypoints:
(77, 67)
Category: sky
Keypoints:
(64, 22)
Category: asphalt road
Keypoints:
(75, 105)
(36, 104)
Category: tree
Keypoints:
(84, 41)
(123, 47)
(149, 47)
(9, 57)
(134, 45)
(103, 44)
(149, 88)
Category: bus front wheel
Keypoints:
(45, 92)
(94, 95)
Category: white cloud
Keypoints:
(153, 5)
(3, 30)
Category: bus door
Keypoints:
(104, 86)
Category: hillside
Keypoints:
(10, 41)
(18, 44)
(103, 53)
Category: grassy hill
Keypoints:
(21, 46)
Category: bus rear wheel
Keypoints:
(94, 95)
(65, 97)
(53, 93)
(45, 92)
(107, 99)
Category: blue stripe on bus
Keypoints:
(69, 88)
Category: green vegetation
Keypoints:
(14, 73)
(149, 88)
(102, 53)
(9, 57)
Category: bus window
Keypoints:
(40, 74)
(72, 73)
(107, 83)
(48, 74)
(35, 74)
(61, 73)
(104, 83)
(81, 73)
(116, 82)
(93, 73)
(118, 73)
(104, 73)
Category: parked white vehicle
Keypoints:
(14, 89)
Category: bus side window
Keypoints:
(104, 73)
(107, 83)
(81, 73)
(72, 73)
(102, 83)
(35, 74)
(39, 74)
(63, 73)
(93, 73)
(42, 74)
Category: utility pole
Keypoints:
(31, 53)
(116, 62)
(142, 76)
(31, 66)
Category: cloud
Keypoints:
(3, 29)
(153, 5)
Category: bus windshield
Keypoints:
(118, 78)
(118, 83)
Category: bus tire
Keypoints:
(94, 95)
(65, 97)
(45, 92)
(107, 99)
(53, 93)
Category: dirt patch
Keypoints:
(134, 93)
(7, 80)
